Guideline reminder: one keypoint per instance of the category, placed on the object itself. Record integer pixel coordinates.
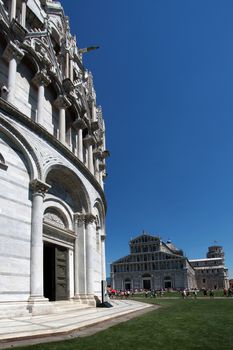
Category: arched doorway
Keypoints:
(127, 284)
(56, 281)
(66, 197)
(167, 282)
(146, 281)
(56, 256)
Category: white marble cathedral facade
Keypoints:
(154, 264)
(52, 164)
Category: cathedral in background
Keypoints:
(155, 265)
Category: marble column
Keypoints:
(71, 69)
(13, 9)
(89, 142)
(99, 157)
(39, 190)
(23, 12)
(12, 55)
(62, 103)
(102, 169)
(90, 254)
(90, 158)
(94, 116)
(101, 179)
(67, 64)
(103, 266)
(79, 125)
(80, 283)
(96, 166)
(40, 81)
(80, 144)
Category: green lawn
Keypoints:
(178, 324)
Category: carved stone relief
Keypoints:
(54, 218)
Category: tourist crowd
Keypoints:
(151, 293)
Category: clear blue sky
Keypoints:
(164, 77)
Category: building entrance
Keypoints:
(146, 284)
(167, 284)
(55, 272)
(127, 286)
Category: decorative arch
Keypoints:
(35, 171)
(146, 275)
(99, 211)
(55, 206)
(31, 57)
(66, 185)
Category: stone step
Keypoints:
(67, 306)
(62, 323)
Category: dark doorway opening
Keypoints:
(167, 284)
(146, 284)
(127, 286)
(55, 272)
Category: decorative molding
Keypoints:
(79, 218)
(102, 166)
(62, 102)
(99, 154)
(90, 219)
(13, 51)
(89, 140)
(39, 187)
(41, 78)
(53, 218)
(79, 124)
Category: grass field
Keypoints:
(179, 324)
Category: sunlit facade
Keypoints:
(52, 164)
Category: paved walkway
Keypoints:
(67, 323)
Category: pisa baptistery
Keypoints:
(52, 164)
